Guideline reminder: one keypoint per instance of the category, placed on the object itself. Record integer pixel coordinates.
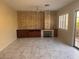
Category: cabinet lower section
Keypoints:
(36, 33)
(28, 33)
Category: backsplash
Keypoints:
(35, 20)
(30, 20)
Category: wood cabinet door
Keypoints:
(28, 33)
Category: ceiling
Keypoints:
(40, 4)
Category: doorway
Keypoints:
(77, 30)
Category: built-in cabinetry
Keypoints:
(28, 33)
(21, 33)
(36, 24)
(47, 33)
(55, 32)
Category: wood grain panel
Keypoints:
(30, 20)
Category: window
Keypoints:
(63, 21)
(77, 22)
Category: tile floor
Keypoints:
(39, 48)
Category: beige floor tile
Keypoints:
(39, 48)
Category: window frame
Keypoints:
(63, 21)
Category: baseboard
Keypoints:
(1, 49)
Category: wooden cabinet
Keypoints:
(55, 32)
(28, 33)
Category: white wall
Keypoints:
(68, 36)
(8, 25)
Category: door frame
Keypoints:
(75, 27)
